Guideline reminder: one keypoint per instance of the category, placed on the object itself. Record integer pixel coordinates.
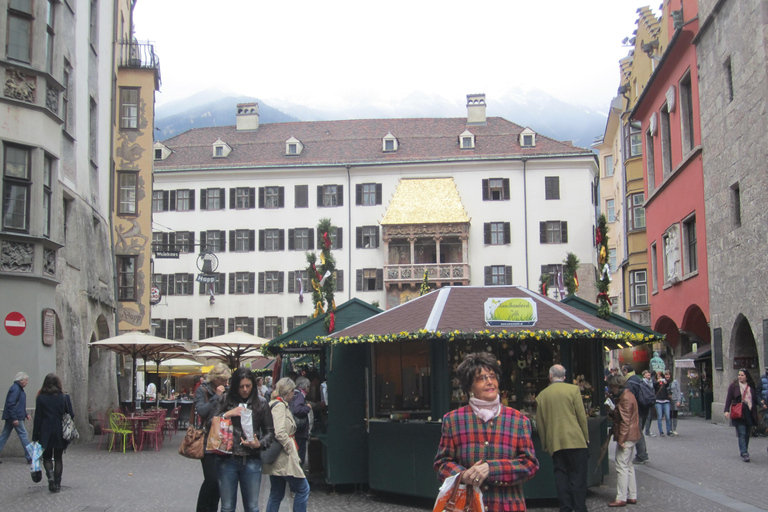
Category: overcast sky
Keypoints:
(339, 53)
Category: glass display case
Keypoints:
(402, 380)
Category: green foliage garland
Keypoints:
(322, 295)
(603, 278)
(570, 265)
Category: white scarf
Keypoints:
(746, 394)
(484, 409)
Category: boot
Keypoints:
(57, 486)
(51, 483)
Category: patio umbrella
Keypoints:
(136, 344)
(234, 346)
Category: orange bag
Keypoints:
(457, 497)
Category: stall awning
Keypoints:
(689, 360)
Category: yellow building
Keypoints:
(137, 71)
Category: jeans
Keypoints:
(647, 423)
(642, 451)
(626, 485)
(299, 486)
(663, 408)
(743, 433)
(243, 470)
(571, 478)
(21, 430)
(208, 497)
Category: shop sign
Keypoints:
(15, 323)
(154, 295)
(204, 278)
(516, 312)
(640, 355)
(167, 255)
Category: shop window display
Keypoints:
(402, 380)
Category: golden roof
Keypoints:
(425, 201)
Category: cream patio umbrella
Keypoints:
(136, 344)
(232, 347)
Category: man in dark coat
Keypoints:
(300, 410)
(15, 413)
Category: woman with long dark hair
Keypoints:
(50, 406)
(209, 394)
(742, 390)
(243, 466)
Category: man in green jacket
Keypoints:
(562, 424)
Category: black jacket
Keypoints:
(263, 427)
(49, 411)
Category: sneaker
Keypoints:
(670, 434)
(650, 434)
(638, 461)
(745, 457)
(661, 434)
(674, 432)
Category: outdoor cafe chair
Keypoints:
(120, 427)
(171, 425)
(154, 430)
(103, 419)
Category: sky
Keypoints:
(336, 54)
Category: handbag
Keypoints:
(457, 497)
(737, 411)
(193, 444)
(220, 438)
(68, 430)
(270, 453)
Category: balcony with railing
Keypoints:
(138, 55)
(438, 273)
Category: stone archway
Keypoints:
(102, 379)
(695, 329)
(743, 348)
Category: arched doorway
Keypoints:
(102, 380)
(743, 347)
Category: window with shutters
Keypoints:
(367, 237)
(157, 201)
(182, 329)
(330, 196)
(272, 327)
(299, 320)
(126, 278)
(242, 283)
(271, 239)
(218, 287)
(213, 327)
(496, 189)
(553, 232)
(496, 233)
(213, 199)
(244, 240)
(243, 198)
(552, 271)
(336, 237)
(301, 238)
(159, 241)
(182, 241)
(272, 282)
(370, 279)
(127, 183)
(368, 194)
(298, 281)
(183, 200)
(212, 241)
(161, 282)
(498, 275)
(182, 284)
(242, 323)
(552, 187)
(301, 196)
(272, 197)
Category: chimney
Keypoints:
(247, 116)
(476, 109)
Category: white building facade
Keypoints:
(473, 201)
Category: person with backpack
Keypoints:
(645, 400)
(300, 410)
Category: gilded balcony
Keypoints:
(438, 273)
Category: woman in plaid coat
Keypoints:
(489, 441)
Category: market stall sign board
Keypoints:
(510, 312)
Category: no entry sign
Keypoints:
(15, 323)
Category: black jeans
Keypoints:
(571, 478)
(208, 498)
(641, 452)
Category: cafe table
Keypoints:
(137, 421)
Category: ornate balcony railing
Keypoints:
(138, 55)
(437, 272)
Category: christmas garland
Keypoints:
(603, 269)
(322, 276)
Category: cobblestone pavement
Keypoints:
(698, 471)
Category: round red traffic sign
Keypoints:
(15, 323)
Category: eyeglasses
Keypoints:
(484, 377)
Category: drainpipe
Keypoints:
(525, 222)
(349, 229)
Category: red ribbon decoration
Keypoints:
(327, 240)
(316, 273)
(544, 288)
(598, 236)
(604, 296)
(331, 323)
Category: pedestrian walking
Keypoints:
(300, 410)
(486, 430)
(287, 468)
(563, 431)
(243, 466)
(675, 399)
(50, 406)
(661, 389)
(644, 398)
(15, 413)
(742, 390)
(646, 425)
(626, 432)
(209, 394)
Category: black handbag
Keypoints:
(270, 453)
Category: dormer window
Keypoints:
(389, 142)
(293, 147)
(467, 140)
(158, 154)
(221, 149)
(528, 138)
(160, 151)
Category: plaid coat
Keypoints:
(504, 443)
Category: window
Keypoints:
(610, 210)
(527, 140)
(293, 148)
(368, 194)
(497, 233)
(301, 239)
(126, 278)
(242, 198)
(159, 201)
(367, 237)
(158, 154)
(180, 329)
(636, 211)
(553, 232)
(666, 141)
(330, 195)
(242, 282)
(552, 271)
(336, 236)
(182, 284)
(182, 200)
(19, 42)
(129, 108)
(270, 327)
(295, 321)
(242, 240)
(608, 166)
(212, 199)
(401, 378)
(298, 281)
(552, 187)
(389, 145)
(218, 151)
(127, 194)
(654, 268)
(182, 241)
(50, 37)
(271, 240)
(16, 188)
(159, 241)
(639, 288)
(650, 163)
(686, 114)
(270, 282)
(370, 279)
(338, 277)
(498, 275)
(93, 130)
(496, 189)
(218, 287)
(65, 96)
(612, 259)
(467, 142)
(728, 79)
(210, 327)
(271, 197)
(241, 323)
(736, 204)
(301, 196)
(690, 261)
(213, 241)
(633, 140)
(47, 183)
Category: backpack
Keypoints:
(643, 393)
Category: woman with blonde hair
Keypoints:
(209, 394)
(287, 468)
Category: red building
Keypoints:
(668, 112)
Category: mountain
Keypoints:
(535, 109)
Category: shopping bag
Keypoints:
(457, 497)
(35, 453)
(220, 436)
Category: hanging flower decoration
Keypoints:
(321, 271)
